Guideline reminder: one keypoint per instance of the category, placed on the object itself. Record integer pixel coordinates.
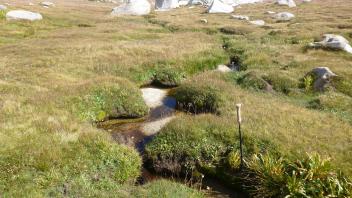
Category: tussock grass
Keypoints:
(109, 98)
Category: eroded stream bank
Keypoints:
(138, 132)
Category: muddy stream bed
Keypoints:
(138, 132)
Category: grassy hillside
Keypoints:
(79, 65)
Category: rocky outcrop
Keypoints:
(284, 16)
(132, 7)
(321, 78)
(219, 7)
(289, 3)
(334, 42)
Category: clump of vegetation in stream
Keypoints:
(116, 99)
(199, 142)
(201, 95)
(168, 76)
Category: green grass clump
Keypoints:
(111, 100)
(166, 188)
(342, 85)
(254, 81)
(247, 56)
(334, 102)
(200, 95)
(2, 14)
(235, 31)
(281, 83)
(168, 76)
(206, 60)
(87, 165)
(310, 176)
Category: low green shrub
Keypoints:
(201, 95)
(2, 14)
(235, 31)
(119, 99)
(350, 34)
(332, 101)
(207, 60)
(253, 80)
(342, 85)
(310, 176)
(168, 76)
(281, 82)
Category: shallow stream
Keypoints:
(138, 132)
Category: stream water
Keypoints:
(138, 132)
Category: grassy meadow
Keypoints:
(77, 66)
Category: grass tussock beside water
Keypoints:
(108, 98)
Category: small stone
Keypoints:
(284, 16)
(47, 4)
(240, 17)
(270, 12)
(2, 7)
(289, 3)
(258, 22)
(223, 68)
(204, 20)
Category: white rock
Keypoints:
(47, 4)
(270, 12)
(223, 68)
(183, 2)
(219, 7)
(23, 15)
(240, 17)
(2, 7)
(31, 4)
(204, 20)
(289, 3)
(132, 7)
(241, 2)
(166, 4)
(230, 2)
(322, 77)
(333, 41)
(258, 22)
(200, 2)
(307, 1)
(284, 16)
